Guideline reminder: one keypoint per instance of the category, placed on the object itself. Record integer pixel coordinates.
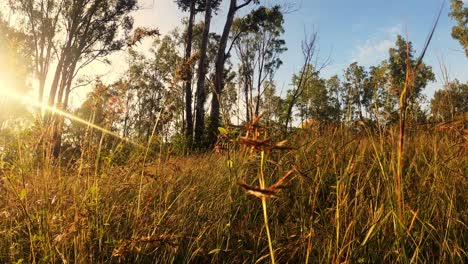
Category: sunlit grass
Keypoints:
(340, 207)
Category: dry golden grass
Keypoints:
(338, 206)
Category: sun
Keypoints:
(13, 74)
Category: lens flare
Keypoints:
(32, 102)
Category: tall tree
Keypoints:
(315, 101)
(383, 101)
(152, 80)
(193, 7)
(400, 56)
(221, 56)
(89, 30)
(201, 90)
(335, 90)
(258, 43)
(460, 31)
(358, 91)
(44, 26)
(187, 68)
(246, 57)
(272, 104)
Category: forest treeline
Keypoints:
(193, 80)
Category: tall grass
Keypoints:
(339, 207)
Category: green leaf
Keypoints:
(222, 130)
(23, 194)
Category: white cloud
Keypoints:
(372, 51)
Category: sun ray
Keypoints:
(35, 103)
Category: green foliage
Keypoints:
(315, 101)
(358, 92)
(460, 31)
(273, 106)
(200, 5)
(257, 38)
(397, 66)
(152, 86)
(449, 102)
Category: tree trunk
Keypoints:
(62, 104)
(201, 91)
(42, 79)
(261, 64)
(127, 116)
(219, 72)
(246, 93)
(188, 81)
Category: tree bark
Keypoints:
(201, 91)
(219, 67)
(246, 94)
(219, 72)
(188, 81)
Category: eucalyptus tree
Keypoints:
(202, 65)
(273, 106)
(258, 43)
(359, 93)
(187, 77)
(152, 81)
(43, 25)
(315, 101)
(383, 102)
(76, 32)
(335, 90)
(305, 74)
(229, 97)
(193, 7)
(401, 58)
(450, 101)
(222, 55)
(460, 31)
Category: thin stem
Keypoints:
(264, 205)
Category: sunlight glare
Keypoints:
(28, 100)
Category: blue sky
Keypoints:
(348, 31)
(364, 30)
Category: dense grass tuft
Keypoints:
(339, 204)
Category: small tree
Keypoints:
(450, 101)
(308, 51)
(397, 65)
(257, 40)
